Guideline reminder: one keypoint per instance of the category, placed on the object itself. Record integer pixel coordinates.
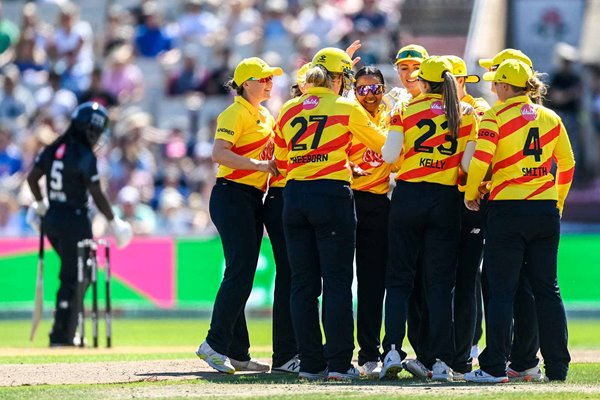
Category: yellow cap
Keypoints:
(432, 69)
(333, 60)
(253, 67)
(506, 54)
(459, 68)
(513, 72)
(301, 74)
(411, 52)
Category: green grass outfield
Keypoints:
(138, 339)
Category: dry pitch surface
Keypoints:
(177, 370)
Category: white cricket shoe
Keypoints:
(441, 372)
(250, 365)
(417, 369)
(218, 361)
(351, 374)
(313, 376)
(290, 367)
(392, 364)
(371, 370)
(480, 376)
(533, 374)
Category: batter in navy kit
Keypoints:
(69, 164)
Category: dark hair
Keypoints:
(295, 91)
(370, 71)
(449, 92)
(230, 84)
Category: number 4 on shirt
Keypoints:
(532, 144)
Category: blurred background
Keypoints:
(159, 66)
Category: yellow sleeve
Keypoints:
(565, 162)
(365, 130)
(487, 141)
(229, 126)
(280, 152)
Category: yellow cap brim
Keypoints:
(277, 71)
(486, 63)
(489, 76)
(415, 73)
(472, 79)
(398, 61)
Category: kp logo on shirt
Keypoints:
(372, 158)
(267, 153)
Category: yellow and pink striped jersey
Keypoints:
(378, 180)
(250, 131)
(520, 140)
(431, 154)
(314, 133)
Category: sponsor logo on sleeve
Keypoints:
(225, 130)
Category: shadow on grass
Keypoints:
(286, 379)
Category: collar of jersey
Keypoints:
(518, 99)
(380, 110)
(243, 102)
(317, 90)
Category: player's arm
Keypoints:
(485, 149)
(395, 140)
(33, 179)
(222, 154)
(100, 200)
(565, 163)
(366, 131)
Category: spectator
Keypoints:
(151, 38)
(11, 223)
(141, 217)
(56, 102)
(197, 23)
(72, 36)
(123, 79)
(564, 97)
(16, 102)
(97, 93)
(11, 162)
(186, 78)
(9, 34)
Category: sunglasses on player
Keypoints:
(262, 80)
(364, 90)
(409, 54)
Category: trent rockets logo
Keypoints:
(372, 158)
(529, 112)
(310, 103)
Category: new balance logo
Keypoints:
(475, 231)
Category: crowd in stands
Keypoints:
(159, 67)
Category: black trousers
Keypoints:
(284, 340)
(236, 210)
(423, 216)
(470, 254)
(320, 226)
(372, 215)
(65, 227)
(522, 238)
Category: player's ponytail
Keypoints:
(230, 84)
(451, 103)
(536, 89)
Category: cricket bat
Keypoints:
(39, 289)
